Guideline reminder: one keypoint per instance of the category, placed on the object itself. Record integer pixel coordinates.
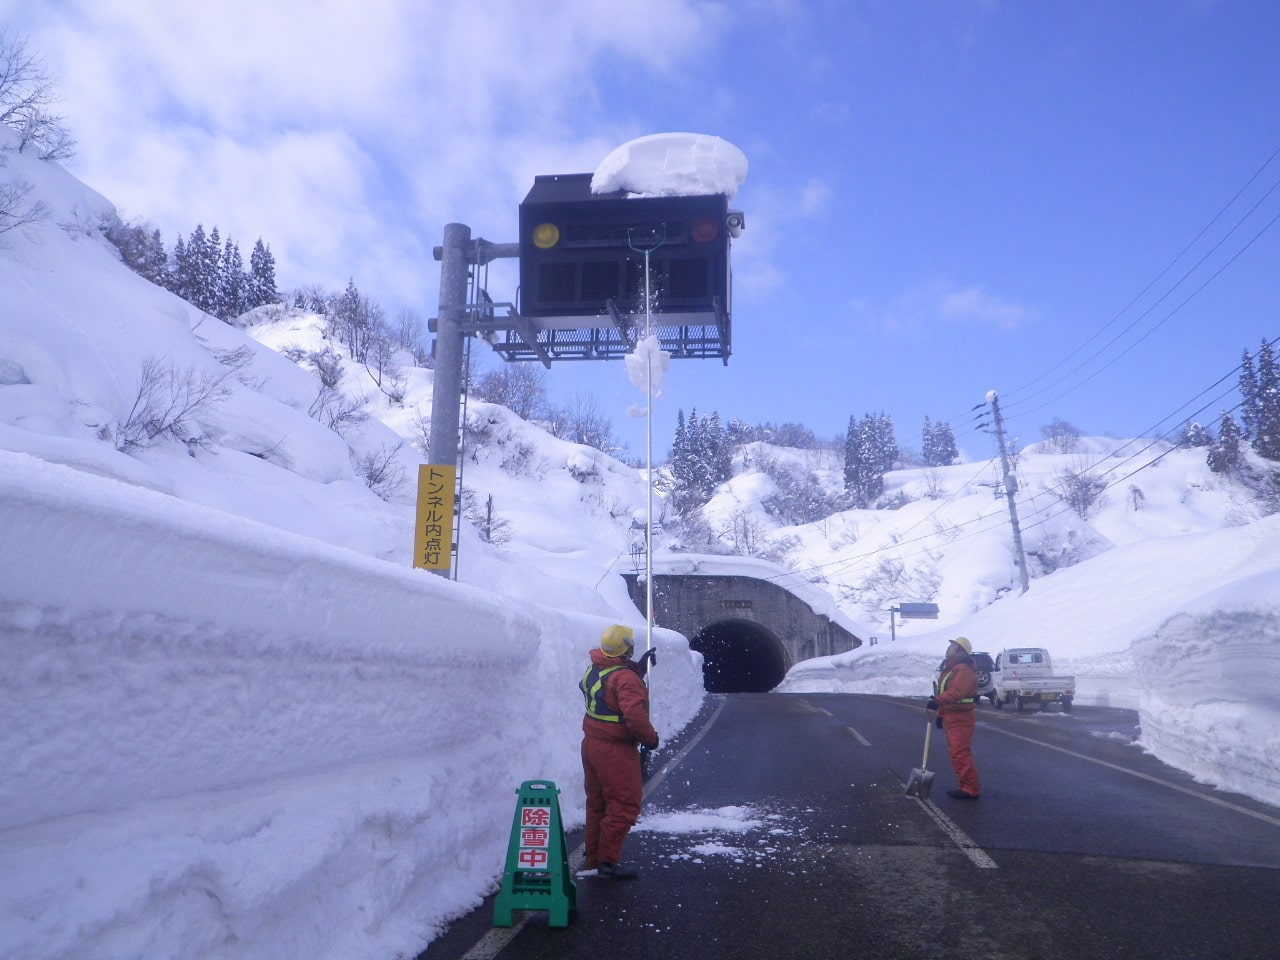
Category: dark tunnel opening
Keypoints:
(740, 657)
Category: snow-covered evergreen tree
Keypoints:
(851, 456)
(870, 452)
(155, 261)
(199, 270)
(211, 272)
(180, 281)
(884, 442)
(739, 433)
(202, 270)
(1194, 435)
(142, 252)
(262, 277)
(945, 443)
(1249, 411)
(701, 459)
(233, 297)
(1224, 455)
(938, 444)
(719, 451)
(1266, 439)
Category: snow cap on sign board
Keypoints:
(672, 165)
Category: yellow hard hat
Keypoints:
(963, 643)
(618, 640)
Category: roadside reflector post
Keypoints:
(537, 876)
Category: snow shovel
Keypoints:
(921, 780)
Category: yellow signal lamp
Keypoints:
(546, 236)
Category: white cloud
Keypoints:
(940, 301)
(975, 305)
(771, 215)
(348, 141)
(815, 197)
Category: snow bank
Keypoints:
(223, 739)
(1203, 680)
(1210, 703)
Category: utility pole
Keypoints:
(1010, 490)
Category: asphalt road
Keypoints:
(1081, 846)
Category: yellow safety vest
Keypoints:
(592, 686)
(946, 678)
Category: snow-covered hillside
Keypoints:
(235, 723)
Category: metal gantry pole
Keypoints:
(446, 389)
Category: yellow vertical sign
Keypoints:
(433, 535)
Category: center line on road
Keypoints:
(961, 839)
(859, 737)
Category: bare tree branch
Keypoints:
(28, 92)
(17, 209)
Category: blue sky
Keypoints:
(943, 197)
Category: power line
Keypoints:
(1043, 513)
(1012, 408)
(1157, 326)
(1169, 266)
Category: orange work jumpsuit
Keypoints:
(957, 706)
(616, 722)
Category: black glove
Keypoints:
(932, 704)
(649, 656)
(937, 722)
(645, 749)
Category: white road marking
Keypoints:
(674, 762)
(1207, 798)
(491, 944)
(857, 736)
(975, 853)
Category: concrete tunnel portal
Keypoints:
(740, 657)
(749, 630)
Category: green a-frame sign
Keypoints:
(537, 876)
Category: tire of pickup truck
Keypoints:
(1066, 704)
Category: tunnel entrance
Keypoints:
(740, 656)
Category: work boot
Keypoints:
(614, 871)
(961, 795)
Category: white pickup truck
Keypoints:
(1024, 675)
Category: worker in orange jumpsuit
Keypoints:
(616, 723)
(956, 702)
